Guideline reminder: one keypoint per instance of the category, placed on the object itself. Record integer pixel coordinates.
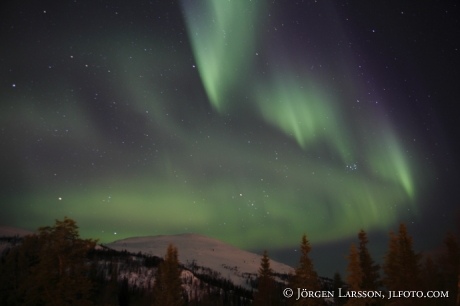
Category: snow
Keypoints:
(198, 253)
(9, 231)
(231, 262)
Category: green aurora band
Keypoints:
(300, 166)
(307, 114)
(223, 35)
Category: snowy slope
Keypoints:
(231, 262)
(9, 231)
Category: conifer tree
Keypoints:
(52, 267)
(449, 263)
(61, 275)
(112, 288)
(430, 274)
(123, 293)
(16, 270)
(339, 284)
(354, 276)
(167, 288)
(402, 265)
(158, 286)
(391, 265)
(266, 294)
(431, 279)
(369, 268)
(305, 276)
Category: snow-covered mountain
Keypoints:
(197, 251)
(9, 231)
(9, 235)
(213, 270)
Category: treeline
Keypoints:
(403, 270)
(57, 267)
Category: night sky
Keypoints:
(247, 121)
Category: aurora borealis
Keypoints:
(246, 121)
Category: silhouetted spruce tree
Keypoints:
(61, 276)
(402, 265)
(391, 265)
(449, 263)
(431, 279)
(111, 297)
(167, 288)
(305, 277)
(354, 277)
(339, 284)
(53, 266)
(430, 274)
(16, 270)
(369, 268)
(123, 293)
(266, 294)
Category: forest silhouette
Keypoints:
(57, 267)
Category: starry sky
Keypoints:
(252, 122)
